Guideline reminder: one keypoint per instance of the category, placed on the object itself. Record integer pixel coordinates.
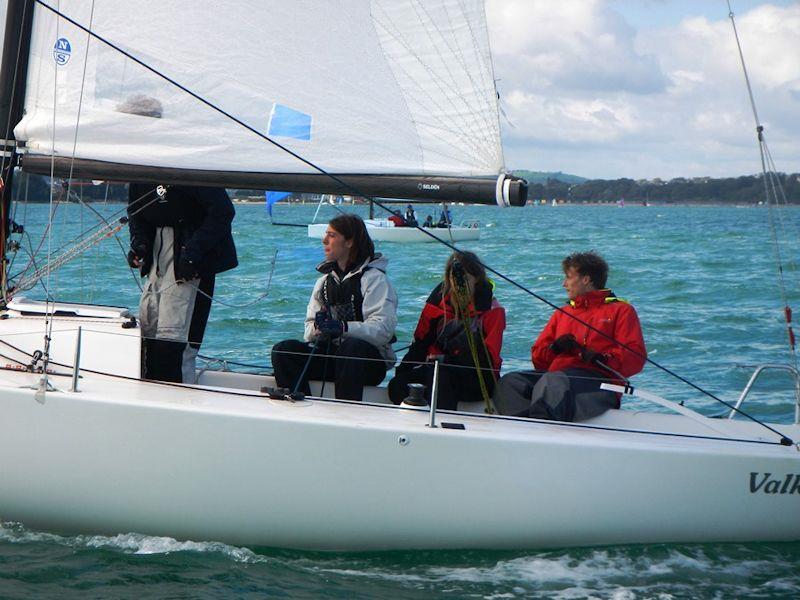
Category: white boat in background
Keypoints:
(383, 230)
(87, 446)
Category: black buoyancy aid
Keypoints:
(344, 298)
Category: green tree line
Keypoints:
(747, 189)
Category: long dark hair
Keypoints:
(468, 263)
(352, 227)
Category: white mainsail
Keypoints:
(356, 86)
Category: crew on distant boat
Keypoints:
(350, 318)
(463, 323)
(180, 239)
(572, 359)
(397, 219)
(428, 221)
(445, 218)
(411, 217)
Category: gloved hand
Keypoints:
(566, 344)
(332, 328)
(590, 356)
(134, 262)
(320, 317)
(185, 270)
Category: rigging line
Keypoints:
(7, 270)
(48, 318)
(527, 421)
(218, 301)
(103, 220)
(785, 440)
(78, 123)
(337, 179)
(763, 151)
(532, 422)
(45, 234)
(253, 302)
(780, 188)
(96, 261)
(461, 296)
(87, 238)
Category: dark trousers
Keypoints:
(163, 359)
(569, 395)
(456, 384)
(332, 361)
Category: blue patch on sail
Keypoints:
(287, 122)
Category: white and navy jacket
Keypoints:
(374, 317)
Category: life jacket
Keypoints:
(343, 297)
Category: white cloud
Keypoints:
(590, 95)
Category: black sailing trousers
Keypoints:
(332, 361)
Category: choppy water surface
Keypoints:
(705, 284)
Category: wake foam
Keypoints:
(129, 543)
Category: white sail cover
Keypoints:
(355, 86)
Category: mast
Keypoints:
(13, 77)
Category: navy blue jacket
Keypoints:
(201, 218)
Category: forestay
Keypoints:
(357, 86)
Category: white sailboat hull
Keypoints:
(203, 466)
(382, 233)
(221, 461)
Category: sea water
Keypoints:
(707, 288)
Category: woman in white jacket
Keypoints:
(350, 319)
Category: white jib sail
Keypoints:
(355, 86)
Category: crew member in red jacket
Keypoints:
(462, 323)
(585, 343)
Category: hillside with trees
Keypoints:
(698, 190)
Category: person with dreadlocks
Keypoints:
(595, 338)
(350, 318)
(180, 240)
(463, 324)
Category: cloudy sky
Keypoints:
(646, 88)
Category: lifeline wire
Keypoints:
(527, 421)
(784, 439)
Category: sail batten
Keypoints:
(375, 87)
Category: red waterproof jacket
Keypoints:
(605, 312)
(438, 311)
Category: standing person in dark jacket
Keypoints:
(463, 323)
(180, 239)
(571, 357)
(351, 315)
(411, 217)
